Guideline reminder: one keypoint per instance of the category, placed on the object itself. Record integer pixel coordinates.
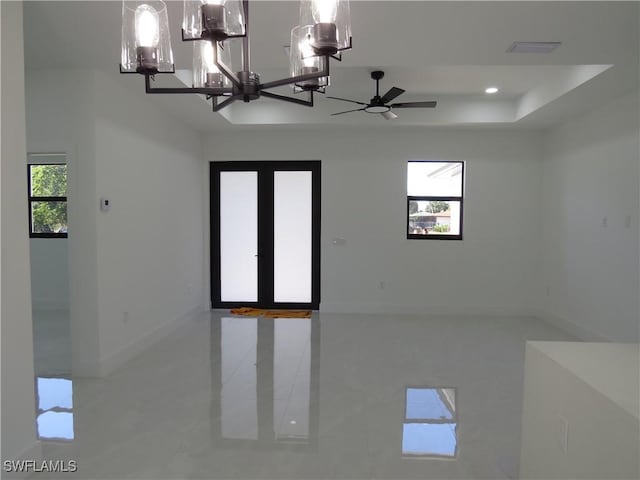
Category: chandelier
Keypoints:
(213, 25)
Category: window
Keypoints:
(47, 197)
(434, 200)
(430, 423)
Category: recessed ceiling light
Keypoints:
(292, 422)
(491, 90)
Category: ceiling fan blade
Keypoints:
(348, 111)
(389, 115)
(391, 94)
(414, 105)
(347, 100)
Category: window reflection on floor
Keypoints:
(430, 423)
(55, 408)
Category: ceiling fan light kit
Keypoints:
(380, 104)
(323, 33)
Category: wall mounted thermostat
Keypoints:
(105, 204)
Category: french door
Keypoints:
(265, 234)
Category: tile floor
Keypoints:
(335, 396)
(51, 342)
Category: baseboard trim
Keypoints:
(32, 453)
(582, 333)
(113, 362)
(389, 309)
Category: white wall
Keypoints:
(493, 270)
(60, 118)
(135, 270)
(18, 402)
(590, 172)
(150, 244)
(49, 273)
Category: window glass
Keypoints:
(48, 180)
(435, 179)
(49, 217)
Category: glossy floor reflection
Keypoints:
(335, 396)
(55, 408)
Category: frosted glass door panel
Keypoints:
(292, 202)
(239, 402)
(238, 236)
(291, 378)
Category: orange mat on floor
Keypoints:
(261, 312)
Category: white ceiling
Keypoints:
(445, 51)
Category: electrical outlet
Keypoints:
(125, 317)
(381, 285)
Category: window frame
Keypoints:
(410, 198)
(32, 199)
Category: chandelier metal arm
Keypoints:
(225, 71)
(219, 106)
(245, 40)
(202, 90)
(338, 56)
(306, 103)
(299, 78)
(196, 39)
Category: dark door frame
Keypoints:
(265, 171)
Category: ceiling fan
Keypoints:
(380, 104)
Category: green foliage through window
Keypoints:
(48, 200)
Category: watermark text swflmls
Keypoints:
(39, 466)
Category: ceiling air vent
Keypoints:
(533, 47)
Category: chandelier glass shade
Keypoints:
(213, 19)
(205, 71)
(331, 25)
(146, 40)
(213, 25)
(303, 60)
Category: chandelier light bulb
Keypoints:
(207, 56)
(306, 50)
(325, 11)
(147, 26)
